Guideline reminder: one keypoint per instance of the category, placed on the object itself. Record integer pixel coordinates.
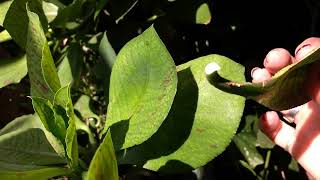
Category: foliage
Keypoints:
(102, 103)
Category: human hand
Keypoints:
(303, 141)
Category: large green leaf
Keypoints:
(41, 69)
(16, 21)
(27, 148)
(277, 93)
(142, 87)
(12, 70)
(201, 122)
(104, 163)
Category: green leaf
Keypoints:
(50, 11)
(41, 69)
(50, 118)
(277, 93)
(200, 124)
(4, 7)
(69, 17)
(104, 162)
(62, 99)
(27, 148)
(16, 21)
(203, 14)
(12, 70)
(44, 173)
(142, 87)
(69, 70)
(106, 51)
(4, 36)
(83, 107)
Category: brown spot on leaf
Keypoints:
(213, 146)
(200, 130)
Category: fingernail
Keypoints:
(302, 47)
(254, 70)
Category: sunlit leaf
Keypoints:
(104, 163)
(200, 124)
(16, 21)
(142, 87)
(4, 36)
(282, 92)
(203, 14)
(12, 70)
(50, 10)
(4, 7)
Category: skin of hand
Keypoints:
(303, 141)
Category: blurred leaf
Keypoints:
(245, 143)
(100, 5)
(107, 52)
(12, 70)
(50, 10)
(27, 149)
(4, 7)
(203, 14)
(142, 87)
(69, 70)
(83, 106)
(276, 93)
(16, 21)
(248, 167)
(4, 36)
(41, 69)
(263, 141)
(293, 166)
(70, 16)
(200, 124)
(104, 163)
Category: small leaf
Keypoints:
(203, 14)
(62, 99)
(12, 70)
(4, 36)
(16, 21)
(104, 163)
(41, 69)
(283, 91)
(50, 10)
(142, 87)
(200, 124)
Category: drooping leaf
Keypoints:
(16, 21)
(63, 100)
(277, 93)
(104, 163)
(142, 87)
(69, 70)
(203, 14)
(41, 69)
(28, 149)
(12, 70)
(200, 124)
(4, 7)
(4, 36)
